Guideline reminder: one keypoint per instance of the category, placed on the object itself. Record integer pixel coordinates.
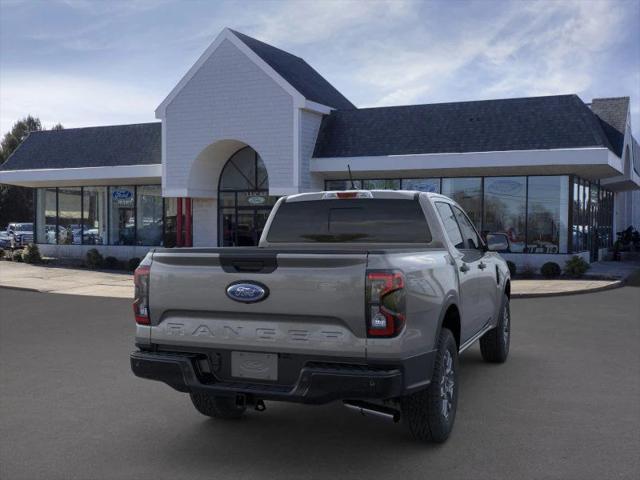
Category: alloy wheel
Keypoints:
(447, 384)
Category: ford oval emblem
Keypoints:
(247, 292)
(121, 194)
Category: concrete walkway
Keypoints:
(73, 281)
(613, 270)
(78, 281)
(551, 288)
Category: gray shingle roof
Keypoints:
(612, 113)
(490, 125)
(109, 146)
(533, 123)
(298, 73)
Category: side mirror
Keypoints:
(497, 242)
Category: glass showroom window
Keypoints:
(122, 224)
(468, 193)
(547, 214)
(46, 215)
(342, 185)
(381, 184)
(606, 218)
(587, 208)
(575, 215)
(583, 217)
(594, 215)
(421, 184)
(70, 216)
(170, 222)
(149, 215)
(94, 215)
(505, 209)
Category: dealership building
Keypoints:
(249, 123)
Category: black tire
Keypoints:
(424, 411)
(494, 345)
(217, 407)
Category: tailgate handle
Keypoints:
(244, 266)
(231, 263)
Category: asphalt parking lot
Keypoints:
(564, 406)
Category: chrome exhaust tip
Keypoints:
(373, 410)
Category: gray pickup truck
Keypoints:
(366, 297)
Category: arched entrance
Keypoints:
(243, 199)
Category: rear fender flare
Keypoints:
(450, 299)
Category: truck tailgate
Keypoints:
(315, 302)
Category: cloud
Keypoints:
(123, 7)
(376, 52)
(558, 50)
(534, 48)
(297, 22)
(72, 100)
(89, 25)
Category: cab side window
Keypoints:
(470, 238)
(450, 224)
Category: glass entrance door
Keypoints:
(246, 229)
(243, 200)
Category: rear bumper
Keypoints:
(317, 383)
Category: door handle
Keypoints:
(464, 268)
(482, 265)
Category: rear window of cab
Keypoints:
(358, 220)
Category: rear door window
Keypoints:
(450, 224)
(469, 236)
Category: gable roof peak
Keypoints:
(297, 72)
(613, 112)
(243, 37)
(292, 73)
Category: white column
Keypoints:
(205, 222)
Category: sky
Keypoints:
(85, 63)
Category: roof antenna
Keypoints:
(353, 185)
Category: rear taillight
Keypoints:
(385, 303)
(141, 296)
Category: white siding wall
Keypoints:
(635, 209)
(309, 126)
(229, 98)
(205, 222)
(627, 209)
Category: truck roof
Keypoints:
(388, 194)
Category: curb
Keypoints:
(617, 284)
(58, 292)
(24, 289)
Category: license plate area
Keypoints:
(255, 366)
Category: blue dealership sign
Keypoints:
(122, 194)
(122, 197)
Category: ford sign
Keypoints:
(247, 292)
(256, 200)
(506, 187)
(122, 194)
